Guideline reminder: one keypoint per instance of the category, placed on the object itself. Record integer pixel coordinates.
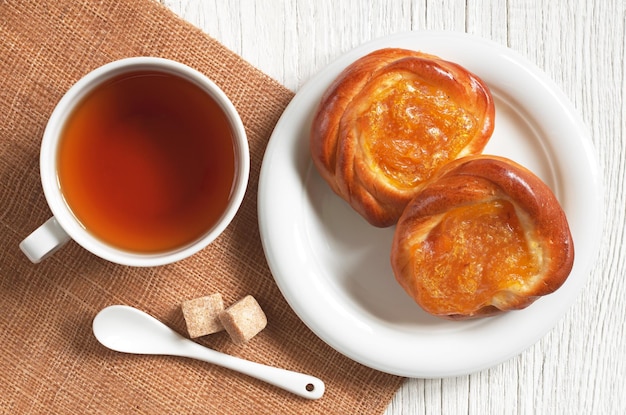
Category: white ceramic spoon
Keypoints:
(126, 329)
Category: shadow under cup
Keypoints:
(144, 162)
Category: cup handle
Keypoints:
(44, 241)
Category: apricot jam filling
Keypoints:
(474, 252)
(410, 128)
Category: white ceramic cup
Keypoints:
(63, 226)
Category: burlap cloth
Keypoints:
(50, 361)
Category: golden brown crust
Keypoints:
(392, 119)
(543, 252)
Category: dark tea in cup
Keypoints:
(144, 162)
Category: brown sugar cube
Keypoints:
(243, 320)
(201, 315)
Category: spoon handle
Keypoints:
(300, 384)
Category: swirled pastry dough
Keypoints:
(392, 119)
(485, 235)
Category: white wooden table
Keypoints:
(580, 366)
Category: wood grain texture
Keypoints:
(580, 366)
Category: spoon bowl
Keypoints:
(129, 330)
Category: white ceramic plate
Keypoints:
(333, 268)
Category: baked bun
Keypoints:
(484, 236)
(389, 121)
